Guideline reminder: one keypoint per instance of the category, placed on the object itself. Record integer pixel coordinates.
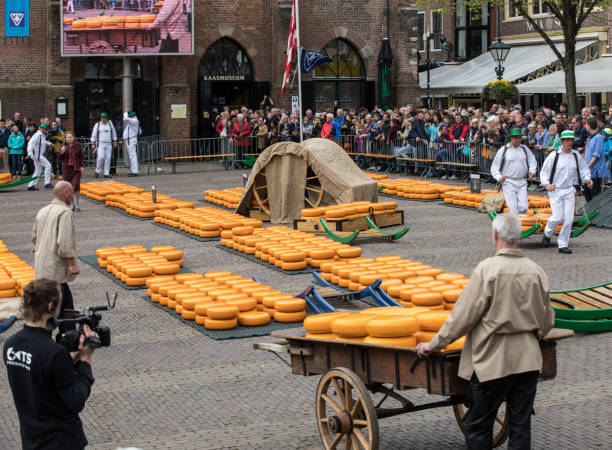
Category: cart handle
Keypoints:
(282, 346)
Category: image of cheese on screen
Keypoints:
(253, 318)
(223, 312)
(392, 326)
(353, 325)
(407, 341)
(321, 323)
(432, 320)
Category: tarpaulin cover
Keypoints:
(286, 166)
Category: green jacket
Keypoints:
(16, 143)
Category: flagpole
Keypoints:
(299, 67)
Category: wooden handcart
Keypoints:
(352, 371)
(111, 40)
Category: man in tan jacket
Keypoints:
(504, 311)
(54, 241)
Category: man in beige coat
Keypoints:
(172, 23)
(54, 241)
(504, 311)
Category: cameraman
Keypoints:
(49, 384)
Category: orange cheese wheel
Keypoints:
(270, 300)
(242, 231)
(312, 212)
(328, 336)
(450, 277)
(163, 300)
(457, 345)
(460, 283)
(161, 248)
(243, 304)
(222, 312)
(6, 283)
(188, 315)
(442, 288)
(431, 284)
(183, 277)
(260, 295)
(451, 295)
(216, 274)
(348, 252)
(292, 305)
(138, 271)
(385, 285)
(230, 297)
(288, 317)
(104, 252)
(387, 258)
(419, 280)
(216, 324)
(200, 320)
(407, 341)
(158, 279)
(171, 304)
(427, 299)
(7, 293)
(215, 293)
(163, 289)
(350, 339)
(389, 326)
(135, 281)
(293, 265)
(394, 291)
(269, 311)
(201, 308)
(166, 269)
(290, 257)
(424, 336)
(432, 320)
(171, 255)
(321, 323)
(155, 298)
(368, 279)
(189, 304)
(406, 294)
(102, 263)
(181, 289)
(253, 318)
(353, 325)
(320, 253)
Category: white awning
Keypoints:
(594, 76)
(471, 76)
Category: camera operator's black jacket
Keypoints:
(49, 391)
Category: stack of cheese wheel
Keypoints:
(205, 222)
(79, 24)
(112, 22)
(147, 19)
(348, 210)
(394, 326)
(537, 204)
(417, 188)
(221, 300)
(68, 20)
(228, 198)
(401, 278)
(289, 309)
(94, 22)
(286, 248)
(132, 21)
(134, 264)
(14, 273)
(5, 178)
(377, 176)
(101, 189)
(141, 204)
(529, 220)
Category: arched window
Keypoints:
(225, 60)
(342, 80)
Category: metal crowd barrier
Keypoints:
(120, 155)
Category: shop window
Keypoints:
(225, 60)
(511, 10)
(538, 7)
(436, 29)
(471, 32)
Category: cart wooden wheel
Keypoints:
(260, 191)
(99, 47)
(500, 426)
(314, 190)
(346, 415)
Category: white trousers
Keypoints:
(132, 144)
(105, 151)
(39, 165)
(562, 202)
(515, 193)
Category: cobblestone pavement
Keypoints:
(164, 385)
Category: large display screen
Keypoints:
(134, 27)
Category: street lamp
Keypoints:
(447, 48)
(499, 52)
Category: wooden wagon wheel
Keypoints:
(345, 412)
(98, 47)
(260, 191)
(500, 426)
(314, 188)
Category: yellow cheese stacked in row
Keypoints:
(286, 248)
(229, 198)
(537, 203)
(348, 210)
(14, 273)
(206, 222)
(141, 204)
(394, 326)
(377, 176)
(99, 190)
(221, 300)
(5, 178)
(411, 283)
(417, 189)
(134, 264)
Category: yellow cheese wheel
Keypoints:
(243, 304)
(431, 284)
(104, 252)
(230, 297)
(457, 345)
(321, 323)
(424, 336)
(215, 293)
(180, 289)
(138, 271)
(406, 294)
(242, 231)
(216, 274)
(353, 325)
(427, 299)
(200, 320)
(321, 253)
(253, 318)
(269, 311)
(432, 320)
(420, 280)
(7, 293)
(368, 279)
(460, 283)
(222, 312)
(407, 341)
(190, 303)
(166, 269)
(201, 308)
(388, 326)
(171, 255)
(293, 265)
(102, 263)
(450, 277)
(135, 281)
(293, 305)
(215, 324)
(187, 315)
(269, 300)
(163, 289)
(348, 252)
(387, 258)
(161, 248)
(155, 298)
(158, 279)
(312, 212)
(6, 283)
(280, 316)
(394, 291)
(385, 285)
(171, 304)
(328, 336)
(350, 339)
(451, 295)
(183, 277)
(260, 295)
(290, 257)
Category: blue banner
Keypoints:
(310, 59)
(16, 18)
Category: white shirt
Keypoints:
(105, 132)
(566, 174)
(37, 145)
(515, 165)
(131, 128)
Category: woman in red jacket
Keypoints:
(241, 132)
(71, 156)
(326, 131)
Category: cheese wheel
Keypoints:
(270, 300)
(183, 277)
(200, 320)
(253, 318)
(353, 325)
(290, 257)
(389, 326)
(450, 277)
(420, 280)
(158, 279)
(433, 272)
(328, 336)
(321, 323)
(166, 269)
(171, 304)
(431, 284)
(227, 234)
(293, 305)
(406, 294)
(104, 252)
(243, 304)
(368, 279)
(348, 252)
(171, 255)
(230, 297)
(321, 253)
(189, 304)
(215, 324)
(201, 308)
(350, 339)
(102, 263)
(130, 281)
(216, 274)
(424, 336)
(460, 283)
(163, 300)
(432, 320)
(312, 212)
(187, 315)
(293, 265)
(451, 295)
(6, 283)
(385, 285)
(387, 258)
(457, 345)
(155, 298)
(138, 271)
(215, 293)
(269, 311)
(242, 231)
(407, 341)
(288, 317)
(260, 295)
(7, 293)
(161, 248)
(222, 312)
(427, 299)
(180, 289)
(394, 291)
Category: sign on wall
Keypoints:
(130, 28)
(17, 18)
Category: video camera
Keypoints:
(91, 317)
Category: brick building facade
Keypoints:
(34, 74)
